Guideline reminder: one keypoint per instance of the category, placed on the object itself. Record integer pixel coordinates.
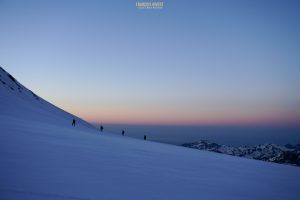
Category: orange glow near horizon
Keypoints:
(163, 116)
(204, 122)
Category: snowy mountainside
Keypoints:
(43, 157)
(288, 154)
(18, 101)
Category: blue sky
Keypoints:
(192, 62)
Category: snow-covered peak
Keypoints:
(8, 82)
(18, 101)
(288, 154)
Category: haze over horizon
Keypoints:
(191, 62)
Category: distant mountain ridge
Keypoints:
(288, 154)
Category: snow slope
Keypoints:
(43, 157)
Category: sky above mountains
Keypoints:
(191, 62)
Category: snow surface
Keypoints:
(43, 157)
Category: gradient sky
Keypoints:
(192, 62)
